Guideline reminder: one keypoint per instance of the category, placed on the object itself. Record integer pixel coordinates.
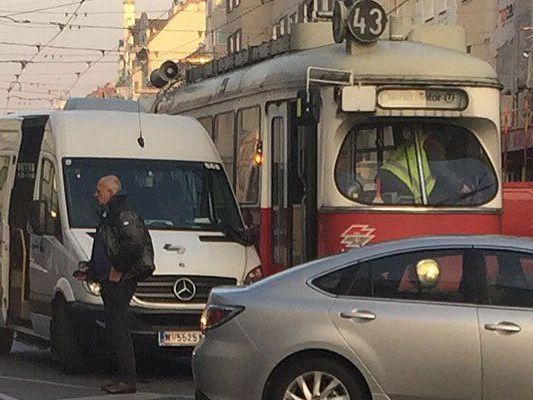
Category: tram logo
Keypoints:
(357, 236)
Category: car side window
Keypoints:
(509, 278)
(442, 276)
(353, 281)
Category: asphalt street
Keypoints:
(29, 374)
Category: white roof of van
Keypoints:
(114, 134)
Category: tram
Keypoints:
(336, 141)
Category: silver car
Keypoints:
(427, 318)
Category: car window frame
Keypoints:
(398, 252)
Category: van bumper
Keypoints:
(145, 325)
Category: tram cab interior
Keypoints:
(378, 164)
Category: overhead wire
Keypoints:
(15, 13)
(41, 47)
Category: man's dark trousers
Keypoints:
(117, 297)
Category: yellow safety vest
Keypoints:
(403, 164)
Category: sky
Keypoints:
(54, 71)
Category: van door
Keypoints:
(20, 203)
(293, 187)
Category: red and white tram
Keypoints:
(332, 146)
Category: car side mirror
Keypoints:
(41, 219)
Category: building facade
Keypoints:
(147, 43)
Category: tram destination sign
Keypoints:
(433, 99)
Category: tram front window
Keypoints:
(415, 164)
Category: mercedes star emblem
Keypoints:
(185, 289)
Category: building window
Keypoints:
(293, 19)
(234, 42)
(232, 4)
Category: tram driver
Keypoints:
(449, 176)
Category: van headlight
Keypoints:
(253, 276)
(94, 288)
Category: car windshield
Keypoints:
(415, 164)
(170, 195)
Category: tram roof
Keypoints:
(398, 62)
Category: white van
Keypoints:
(173, 177)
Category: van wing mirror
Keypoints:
(41, 220)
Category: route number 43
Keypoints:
(367, 21)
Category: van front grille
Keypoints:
(164, 289)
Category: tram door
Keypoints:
(293, 188)
(20, 203)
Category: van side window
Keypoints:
(248, 136)
(224, 138)
(207, 123)
(49, 194)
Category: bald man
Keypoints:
(122, 255)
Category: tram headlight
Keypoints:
(93, 288)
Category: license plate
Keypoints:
(177, 339)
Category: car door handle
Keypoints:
(507, 327)
(173, 247)
(359, 314)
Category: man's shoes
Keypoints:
(120, 388)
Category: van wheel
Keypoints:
(64, 344)
(318, 378)
(6, 340)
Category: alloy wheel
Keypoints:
(316, 386)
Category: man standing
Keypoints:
(122, 255)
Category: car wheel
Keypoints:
(318, 378)
(6, 340)
(64, 344)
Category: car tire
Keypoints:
(64, 344)
(6, 340)
(350, 384)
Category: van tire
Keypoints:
(6, 340)
(64, 343)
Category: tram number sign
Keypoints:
(367, 21)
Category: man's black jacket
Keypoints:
(127, 241)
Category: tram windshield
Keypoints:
(415, 164)
(168, 195)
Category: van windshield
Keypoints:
(168, 195)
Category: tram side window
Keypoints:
(407, 163)
(207, 123)
(248, 136)
(49, 194)
(5, 161)
(224, 138)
